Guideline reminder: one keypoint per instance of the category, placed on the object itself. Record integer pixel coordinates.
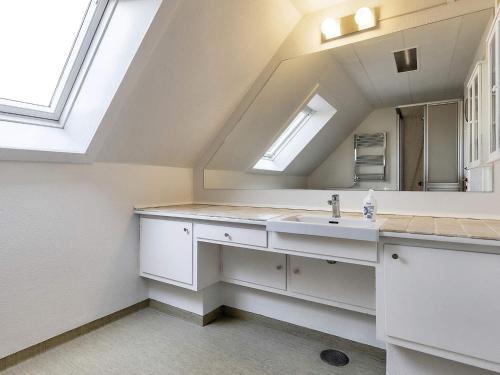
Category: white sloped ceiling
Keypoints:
(209, 55)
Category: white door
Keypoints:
(166, 248)
(334, 281)
(444, 299)
(255, 267)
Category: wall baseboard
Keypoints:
(22, 355)
(201, 320)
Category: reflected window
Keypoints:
(297, 135)
(291, 131)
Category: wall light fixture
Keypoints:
(365, 18)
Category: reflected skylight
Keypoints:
(304, 126)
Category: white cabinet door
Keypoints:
(254, 267)
(166, 248)
(444, 299)
(344, 283)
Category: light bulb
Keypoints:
(330, 28)
(364, 18)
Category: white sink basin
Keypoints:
(326, 226)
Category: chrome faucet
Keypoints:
(335, 203)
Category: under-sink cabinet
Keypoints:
(443, 302)
(349, 251)
(328, 280)
(253, 268)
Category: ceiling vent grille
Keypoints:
(406, 60)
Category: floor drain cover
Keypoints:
(334, 357)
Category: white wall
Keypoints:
(69, 243)
(338, 169)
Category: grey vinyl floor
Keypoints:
(152, 342)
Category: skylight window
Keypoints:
(44, 44)
(297, 135)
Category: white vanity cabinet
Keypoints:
(194, 254)
(442, 302)
(253, 268)
(166, 249)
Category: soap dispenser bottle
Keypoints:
(370, 206)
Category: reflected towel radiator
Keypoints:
(369, 157)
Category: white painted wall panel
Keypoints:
(69, 243)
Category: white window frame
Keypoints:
(18, 111)
(474, 123)
(102, 83)
(493, 45)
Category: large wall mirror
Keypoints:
(405, 111)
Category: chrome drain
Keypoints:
(334, 357)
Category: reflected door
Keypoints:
(442, 170)
(411, 148)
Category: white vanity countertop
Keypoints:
(234, 214)
(403, 226)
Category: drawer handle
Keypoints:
(186, 230)
(296, 271)
(227, 235)
(279, 267)
(331, 261)
(395, 256)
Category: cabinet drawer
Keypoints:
(334, 247)
(242, 235)
(255, 267)
(343, 283)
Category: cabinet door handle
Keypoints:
(279, 267)
(186, 230)
(227, 236)
(395, 256)
(296, 271)
(331, 261)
